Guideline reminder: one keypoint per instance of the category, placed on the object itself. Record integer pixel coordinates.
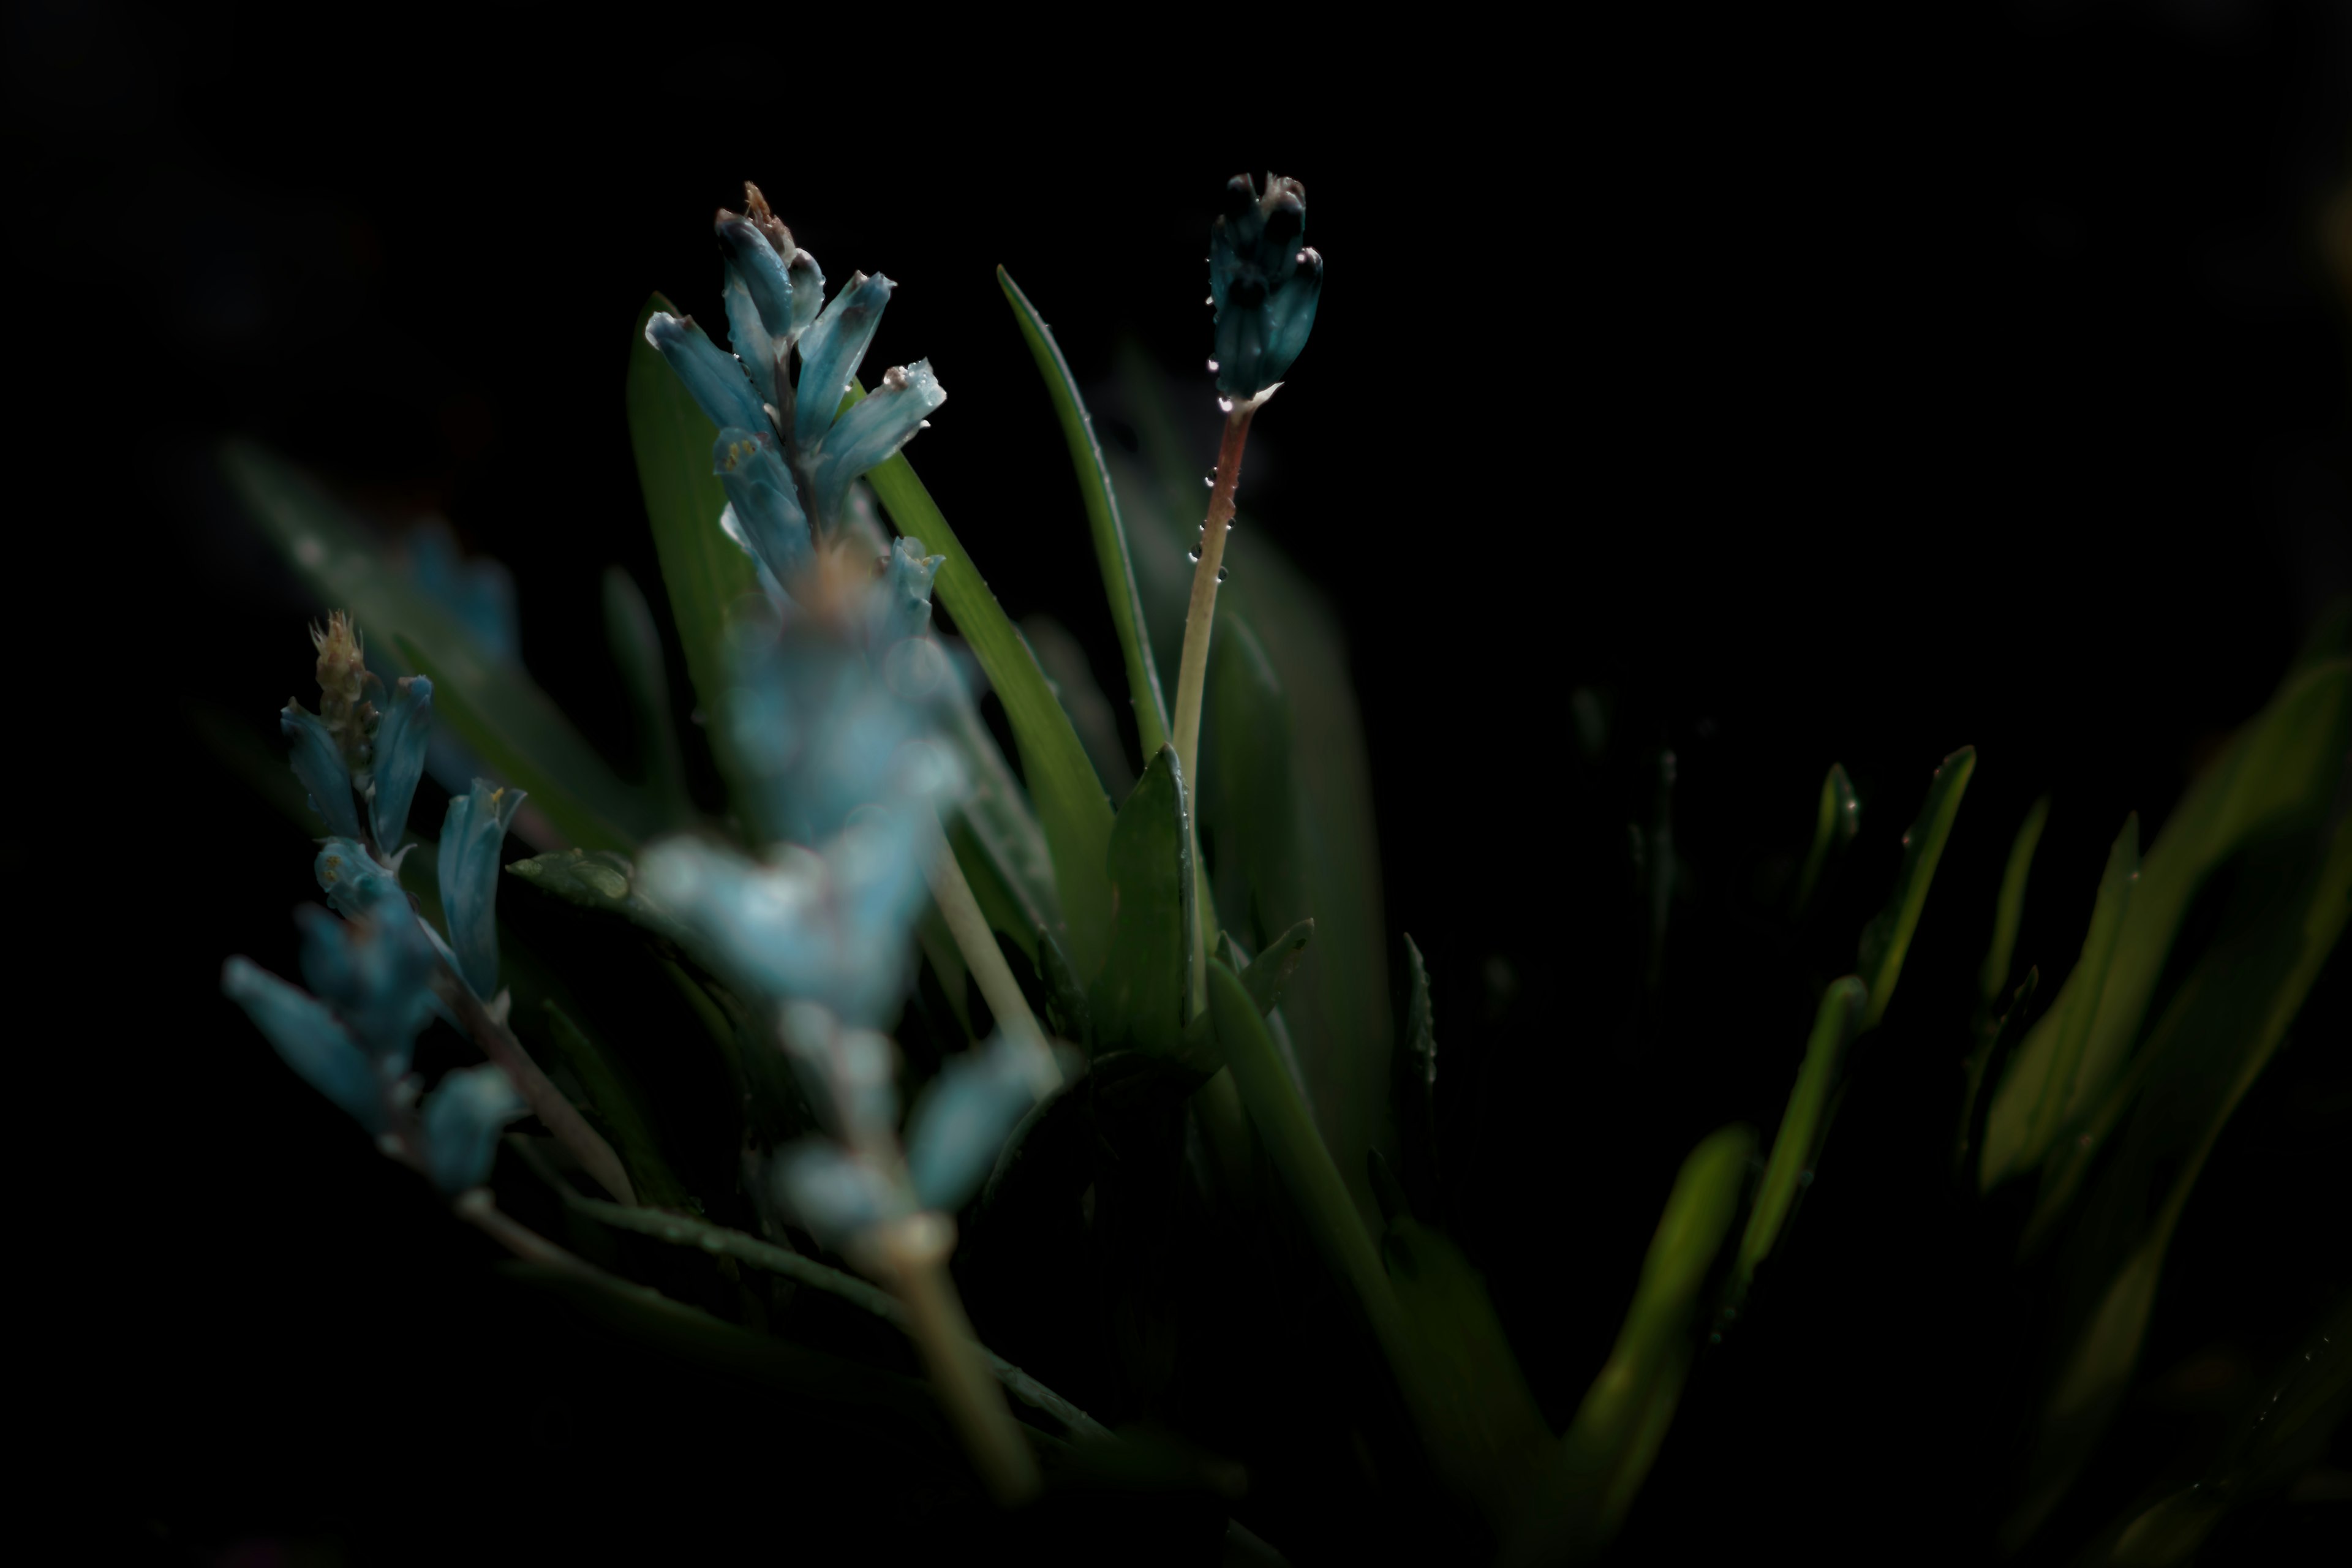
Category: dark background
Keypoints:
(1849, 393)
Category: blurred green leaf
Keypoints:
(1073, 679)
(1796, 1147)
(2064, 1064)
(605, 881)
(1996, 1042)
(996, 836)
(2278, 772)
(638, 651)
(1071, 806)
(617, 1105)
(1607, 1451)
(1887, 939)
(1140, 999)
(1247, 797)
(704, 571)
(1102, 517)
(1339, 1009)
(487, 701)
(1267, 976)
(1837, 820)
(2010, 912)
(1413, 1068)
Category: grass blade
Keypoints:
(2059, 1081)
(616, 1107)
(2011, 908)
(1835, 824)
(1102, 519)
(1071, 806)
(1888, 938)
(1142, 999)
(1797, 1146)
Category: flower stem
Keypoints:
(1192, 672)
(982, 956)
(546, 1101)
(911, 1254)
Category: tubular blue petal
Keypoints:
(818, 728)
(765, 501)
(834, 1193)
(710, 373)
(849, 1074)
(759, 302)
(1293, 317)
(310, 1039)
(831, 352)
(963, 1120)
(402, 740)
(808, 290)
(318, 763)
(378, 974)
(869, 434)
(732, 527)
(463, 1117)
(354, 881)
(470, 837)
(902, 601)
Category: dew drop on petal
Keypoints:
(1213, 367)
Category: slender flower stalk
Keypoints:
(969, 926)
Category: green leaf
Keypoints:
(1139, 999)
(1887, 939)
(617, 1106)
(704, 571)
(1071, 806)
(1102, 519)
(605, 881)
(1267, 976)
(638, 651)
(515, 760)
(1607, 1451)
(1995, 1045)
(1488, 1440)
(1796, 1146)
(997, 838)
(1837, 820)
(1068, 1012)
(2279, 772)
(1248, 802)
(1073, 681)
(1415, 1069)
(2064, 1064)
(487, 701)
(2011, 908)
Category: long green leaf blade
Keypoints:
(703, 569)
(1836, 821)
(1102, 517)
(2010, 910)
(1797, 1146)
(490, 703)
(615, 1105)
(1071, 805)
(1141, 1000)
(1888, 938)
(2107, 912)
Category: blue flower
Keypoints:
(901, 605)
(470, 837)
(479, 591)
(462, 1119)
(377, 974)
(837, 1194)
(402, 738)
(1263, 283)
(355, 882)
(318, 763)
(960, 1123)
(785, 453)
(311, 1040)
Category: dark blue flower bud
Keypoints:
(354, 883)
(831, 352)
(401, 742)
(470, 837)
(462, 1118)
(318, 763)
(377, 974)
(1263, 283)
(712, 378)
(765, 502)
(758, 303)
(310, 1039)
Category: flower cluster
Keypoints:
(1263, 283)
(374, 974)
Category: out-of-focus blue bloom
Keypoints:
(311, 1041)
(378, 976)
(318, 763)
(850, 1075)
(463, 1116)
(902, 603)
(786, 462)
(401, 742)
(470, 837)
(960, 1123)
(1263, 283)
(763, 505)
(835, 1194)
(355, 882)
(870, 433)
(479, 591)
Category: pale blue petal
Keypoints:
(310, 1039)
(960, 1123)
(819, 729)
(354, 881)
(377, 974)
(830, 355)
(402, 741)
(463, 1117)
(835, 1196)
(759, 301)
(710, 373)
(765, 501)
(902, 602)
(808, 290)
(869, 434)
(850, 1075)
(470, 837)
(318, 763)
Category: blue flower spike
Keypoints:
(836, 1194)
(902, 602)
(470, 837)
(356, 883)
(960, 1123)
(377, 974)
(402, 740)
(463, 1117)
(712, 377)
(1264, 283)
(871, 433)
(763, 505)
(311, 1040)
(831, 352)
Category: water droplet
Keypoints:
(1193, 556)
(1221, 574)
(1211, 481)
(1224, 406)
(1213, 367)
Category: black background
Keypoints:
(1843, 393)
